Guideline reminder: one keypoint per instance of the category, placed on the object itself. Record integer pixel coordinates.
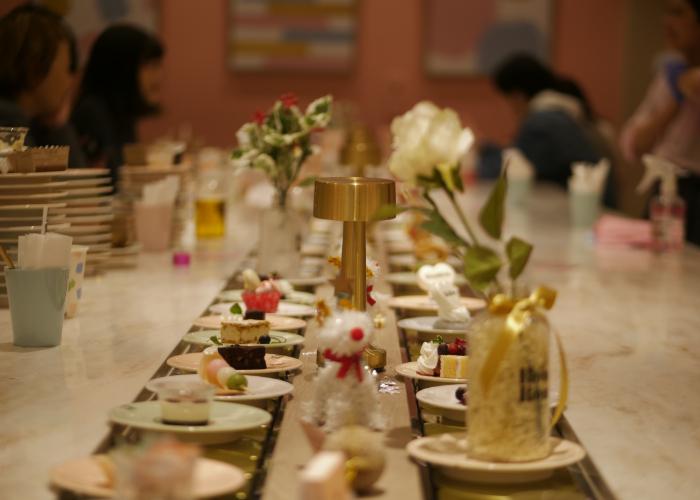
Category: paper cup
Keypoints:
(37, 298)
(76, 273)
(154, 225)
(584, 207)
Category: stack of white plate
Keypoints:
(23, 198)
(89, 211)
(133, 178)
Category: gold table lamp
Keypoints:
(354, 201)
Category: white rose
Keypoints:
(424, 138)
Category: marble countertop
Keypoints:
(628, 319)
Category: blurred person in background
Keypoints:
(121, 85)
(667, 122)
(556, 123)
(38, 62)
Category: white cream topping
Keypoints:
(429, 357)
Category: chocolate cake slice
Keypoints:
(243, 357)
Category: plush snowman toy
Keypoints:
(346, 391)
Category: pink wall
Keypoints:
(388, 77)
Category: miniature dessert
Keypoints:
(438, 359)
(452, 366)
(185, 403)
(259, 295)
(243, 331)
(244, 358)
(216, 371)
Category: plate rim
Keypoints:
(413, 374)
(296, 341)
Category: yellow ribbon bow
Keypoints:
(520, 314)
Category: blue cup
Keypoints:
(37, 298)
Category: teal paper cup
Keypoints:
(37, 298)
(584, 208)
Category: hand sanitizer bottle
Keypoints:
(667, 210)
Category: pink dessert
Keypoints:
(265, 297)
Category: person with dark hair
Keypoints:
(667, 122)
(37, 67)
(121, 85)
(556, 123)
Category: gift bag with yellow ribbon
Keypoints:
(508, 417)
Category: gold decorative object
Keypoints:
(354, 201)
(360, 149)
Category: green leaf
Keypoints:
(71, 285)
(492, 213)
(457, 179)
(439, 227)
(215, 340)
(236, 309)
(308, 181)
(518, 252)
(481, 265)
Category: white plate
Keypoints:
(96, 238)
(307, 280)
(424, 303)
(85, 476)
(408, 278)
(37, 186)
(410, 370)
(81, 172)
(94, 210)
(88, 229)
(424, 324)
(95, 200)
(13, 199)
(35, 229)
(281, 339)
(88, 191)
(448, 453)
(284, 323)
(276, 363)
(225, 420)
(283, 309)
(27, 208)
(87, 182)
(443, 397)
(258, 387)
(295, 296)
(89, 219)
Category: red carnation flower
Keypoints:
(259, 117)
(289, 100)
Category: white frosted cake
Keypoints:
(243, 331)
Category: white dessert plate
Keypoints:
(36, 229)
(424, 303)
(96, 200)
(410, 370)
(82, 172)
(225, 419)
(25, 209)
(92, 238)
(93, 210)
(295, 296)
(278, 339)
(258, 387)
(276, 363)
(87, 182)
(89, 229)
(283, 309)
(88, 191)
(307, 280)
(85, 476)
(425, 324)
(407, 278)
(284, 323)
(90, 219)
(36, 186)
(443, 397)
(448, 453)
(14, 198)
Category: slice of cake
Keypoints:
(243, 331)
(244, 358)
(453, 366)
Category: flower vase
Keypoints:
(508, 417)
(279, 242)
